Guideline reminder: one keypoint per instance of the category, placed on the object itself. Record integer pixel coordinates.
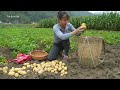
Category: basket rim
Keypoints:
(46, 54)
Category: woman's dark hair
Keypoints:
(62, 14)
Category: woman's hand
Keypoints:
(81, 28)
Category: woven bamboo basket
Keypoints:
(38, 55)
(91, 51)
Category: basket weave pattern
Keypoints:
(38, 55)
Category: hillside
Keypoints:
(34, 16)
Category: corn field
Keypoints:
(109, 21)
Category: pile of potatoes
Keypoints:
(53, 67)
(16, 72)
(49, 66)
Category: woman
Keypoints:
(63, 30)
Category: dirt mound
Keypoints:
(6, 52)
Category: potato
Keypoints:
(56, 62)
(61, 74)
(40, 68)
(65, 68)
(62, 71)
(62, 67)
(38, 65)
(23, 67)
(59, 69)
(53, 63)
(49, 65)
(56, 67)
(42, 63)
(26, 64)
(35, 69)
(34, 64)
(28, 70)
(35, 73)
(31, 66)
(48, 69)
(43, 66)
(63, 64)
(65, 73)
(20, 71)
(46, 65)
(1, 69)
(83, 24)
(23, 72)
(17, 69)
(56, 72)
(11, 73)
(45, 69)
(52, 67)
(11, 70)
(52, 71)
(40, 72)
(16, 74)
(5, 71)
(60, 62)
(5, 68)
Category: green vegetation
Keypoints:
(26, 39)
(2, 60)
(109, 21)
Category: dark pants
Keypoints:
(57, 48)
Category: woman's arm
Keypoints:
(61, 35)
(67, 35)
